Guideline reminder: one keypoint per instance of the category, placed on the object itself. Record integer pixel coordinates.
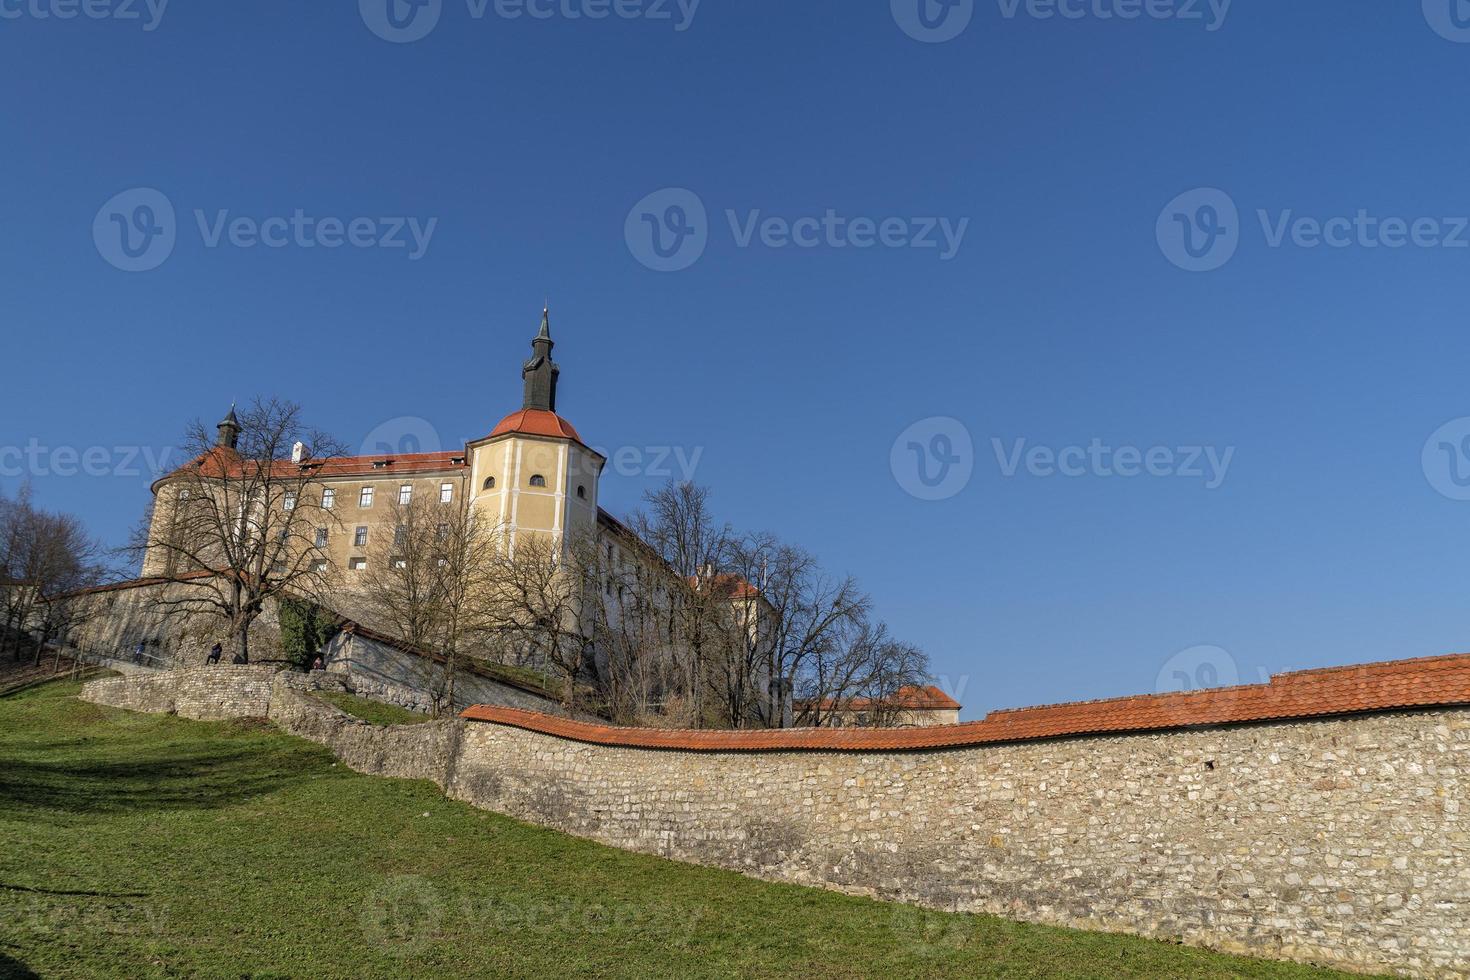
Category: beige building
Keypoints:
(531, 474)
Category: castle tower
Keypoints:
(228, 431)
(533, 474)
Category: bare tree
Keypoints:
(540, 590)
(243, 523)
(631, 608)
(44, 558)
(863, 669)
(431, 584)
(680, 526)
(804, 623)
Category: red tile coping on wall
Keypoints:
(1428, 682)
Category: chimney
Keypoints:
(298, 452)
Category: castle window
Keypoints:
(405, 494)
(398, 564)
(400, 535)
(489, 483)
(184, 494)
(321, 537)
(329, 497)
(582, 493)
(357, 564)
(446, 493)
(538, 480)
(359, 537)
(365, 497)
(319, 566)
(289, 502)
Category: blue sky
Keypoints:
(1065, 148)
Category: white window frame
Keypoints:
(288, 502)
(405, 495)
(365, 498)
(446, 493)
(329, 498)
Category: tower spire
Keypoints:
(540, 372)
(228, 430)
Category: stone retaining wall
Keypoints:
(1339, 841)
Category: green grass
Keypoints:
(136, 845)
(374, 711)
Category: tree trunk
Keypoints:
(242, 642)
(449, 682)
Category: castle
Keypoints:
(532, 474)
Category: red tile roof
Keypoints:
(221, 463)
(536, 422)
(728, 585)
(1430, 682)
(913, 697)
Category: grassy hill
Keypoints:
(137, 845)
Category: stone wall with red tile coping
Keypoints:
(1318, 818)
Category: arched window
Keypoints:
(489, 483)
(582, 493)
(538, 480)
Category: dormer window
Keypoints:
(538, 480)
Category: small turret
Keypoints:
(229, 431)
(540, 372)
